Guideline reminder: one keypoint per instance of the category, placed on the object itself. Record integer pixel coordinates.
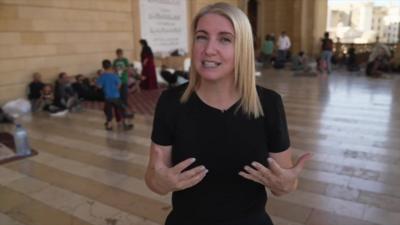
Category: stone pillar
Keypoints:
(310, 23)
(303, 20)
(320, 20)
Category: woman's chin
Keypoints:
(209, 74)
(211, 77)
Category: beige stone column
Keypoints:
(320, 20)
(303, 20)
(137, 31)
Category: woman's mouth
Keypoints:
(210, 64)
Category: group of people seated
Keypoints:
(58, 98)
(379, 60)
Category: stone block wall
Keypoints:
(50, 36)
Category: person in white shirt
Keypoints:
(283, 46)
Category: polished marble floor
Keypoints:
(86, 175)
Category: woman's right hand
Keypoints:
(163, 178)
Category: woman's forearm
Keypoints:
(151, 183)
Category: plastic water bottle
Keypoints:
(21, 141)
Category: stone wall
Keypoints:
(50, 36)
(303, 20)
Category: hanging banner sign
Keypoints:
(164, 24)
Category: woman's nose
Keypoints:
(211, 47)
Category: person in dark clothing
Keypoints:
(352, 64)
(168, 76)
(46, 102)
(326, 52)
(183, 74)
(96, 93)
(64, 95)
(148, 67)
(81, 87)
(35, 87)
(219, 141)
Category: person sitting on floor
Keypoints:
(96, 93)
(81, 88)
(46, 102)
(34, 89)
(64, 95)
(300, 62)
(378, 59)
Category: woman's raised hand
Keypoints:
(165, 179)
(279, 180)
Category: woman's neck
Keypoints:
(220, 95)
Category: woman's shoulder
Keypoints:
(270, 100)
(174, 94)
(266, 94)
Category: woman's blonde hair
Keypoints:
(244, 70)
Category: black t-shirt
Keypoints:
(224, 142)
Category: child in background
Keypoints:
(64, 94)
(300, 62)
(34, 89)
(121, 66)
(110, 83)
(46, 102)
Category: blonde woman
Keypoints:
(211, 138)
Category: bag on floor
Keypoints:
(17, 108)
(5, 118)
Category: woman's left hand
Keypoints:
(279, 180)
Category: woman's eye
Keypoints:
(226, 40)
(201, 37)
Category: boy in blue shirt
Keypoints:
(110, 83)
